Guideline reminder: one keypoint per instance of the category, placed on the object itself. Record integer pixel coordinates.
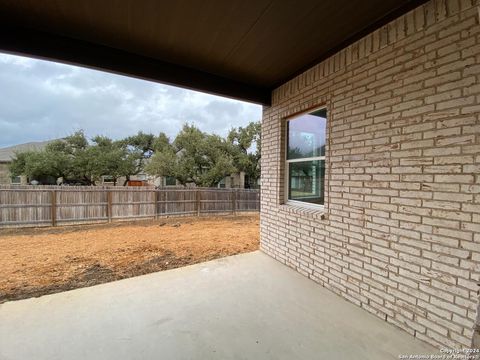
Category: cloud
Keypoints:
(42, 100)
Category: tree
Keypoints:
(75, 148)
(247, 150)
(142, 142)
(43, 166)
(108, 157)
(161, 142)
(77, 161)
(139, 147)
(63, 158)
(194, 157)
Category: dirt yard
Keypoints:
(35, 262)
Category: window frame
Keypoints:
(171, 177)
(19, 182)
(107, 179)
(222, 182)
(287, 162)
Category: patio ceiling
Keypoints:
(236, 48)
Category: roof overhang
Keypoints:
(236, 48)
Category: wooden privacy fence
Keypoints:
(61, 205)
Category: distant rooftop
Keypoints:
(8, 153)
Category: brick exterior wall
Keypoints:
(400, 234)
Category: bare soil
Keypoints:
(35, 262)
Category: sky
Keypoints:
(42, 100)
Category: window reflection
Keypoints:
(306, 181)
(306, 135)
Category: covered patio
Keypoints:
(241, 307)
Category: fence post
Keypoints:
(109, 205)
(198, 202)
(234, 201)
(155, 199)
(54, 208)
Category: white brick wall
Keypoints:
(400, 235)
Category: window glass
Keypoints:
(221, 183)
(170, 181)
(306, 181)
(306, 135)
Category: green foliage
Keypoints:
(139, 147)
(75, 160)
(161, 142)
(38, 165)
(247, 147)
(142, 144)
(194, 157)
(163, 163)
(112, 158)
(64, 158)
(246, 137)
(19, 163)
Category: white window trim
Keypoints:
(297, 203)
(302, 204)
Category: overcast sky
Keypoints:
(41, 100)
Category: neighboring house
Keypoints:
(236, 180)
(8, 154)
(135, 179)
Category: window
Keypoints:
(170, 181)
(108, 179)
(305, 162)
(221, 183)
(16, 180)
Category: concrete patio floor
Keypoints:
(242, 307)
